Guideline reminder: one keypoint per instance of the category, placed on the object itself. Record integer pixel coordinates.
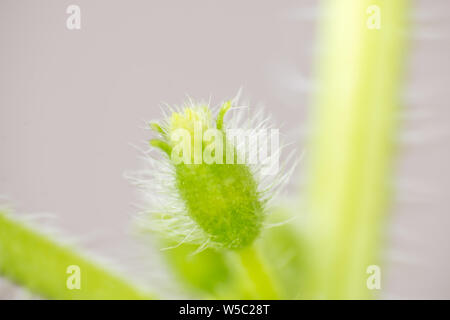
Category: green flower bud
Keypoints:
(205, 193)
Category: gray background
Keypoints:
(71, 102)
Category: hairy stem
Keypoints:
(354, 125)
(33, 260)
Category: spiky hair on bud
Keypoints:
(202, 187)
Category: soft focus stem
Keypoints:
(354, 129)
(40, 264)
(255, 275)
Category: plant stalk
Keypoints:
(40, 264)
(352, 147)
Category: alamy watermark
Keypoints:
(73, 22)
(374, 20)
(373, 282)
(234, 146)
(73, 281)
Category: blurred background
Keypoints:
(73, 103)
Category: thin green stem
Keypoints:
(256, 276)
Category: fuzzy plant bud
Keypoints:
(206, 192)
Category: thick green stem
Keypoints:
(42, 265)
(354, 127)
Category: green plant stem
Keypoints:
(256, 276)
(40, 264)
(354, 129)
